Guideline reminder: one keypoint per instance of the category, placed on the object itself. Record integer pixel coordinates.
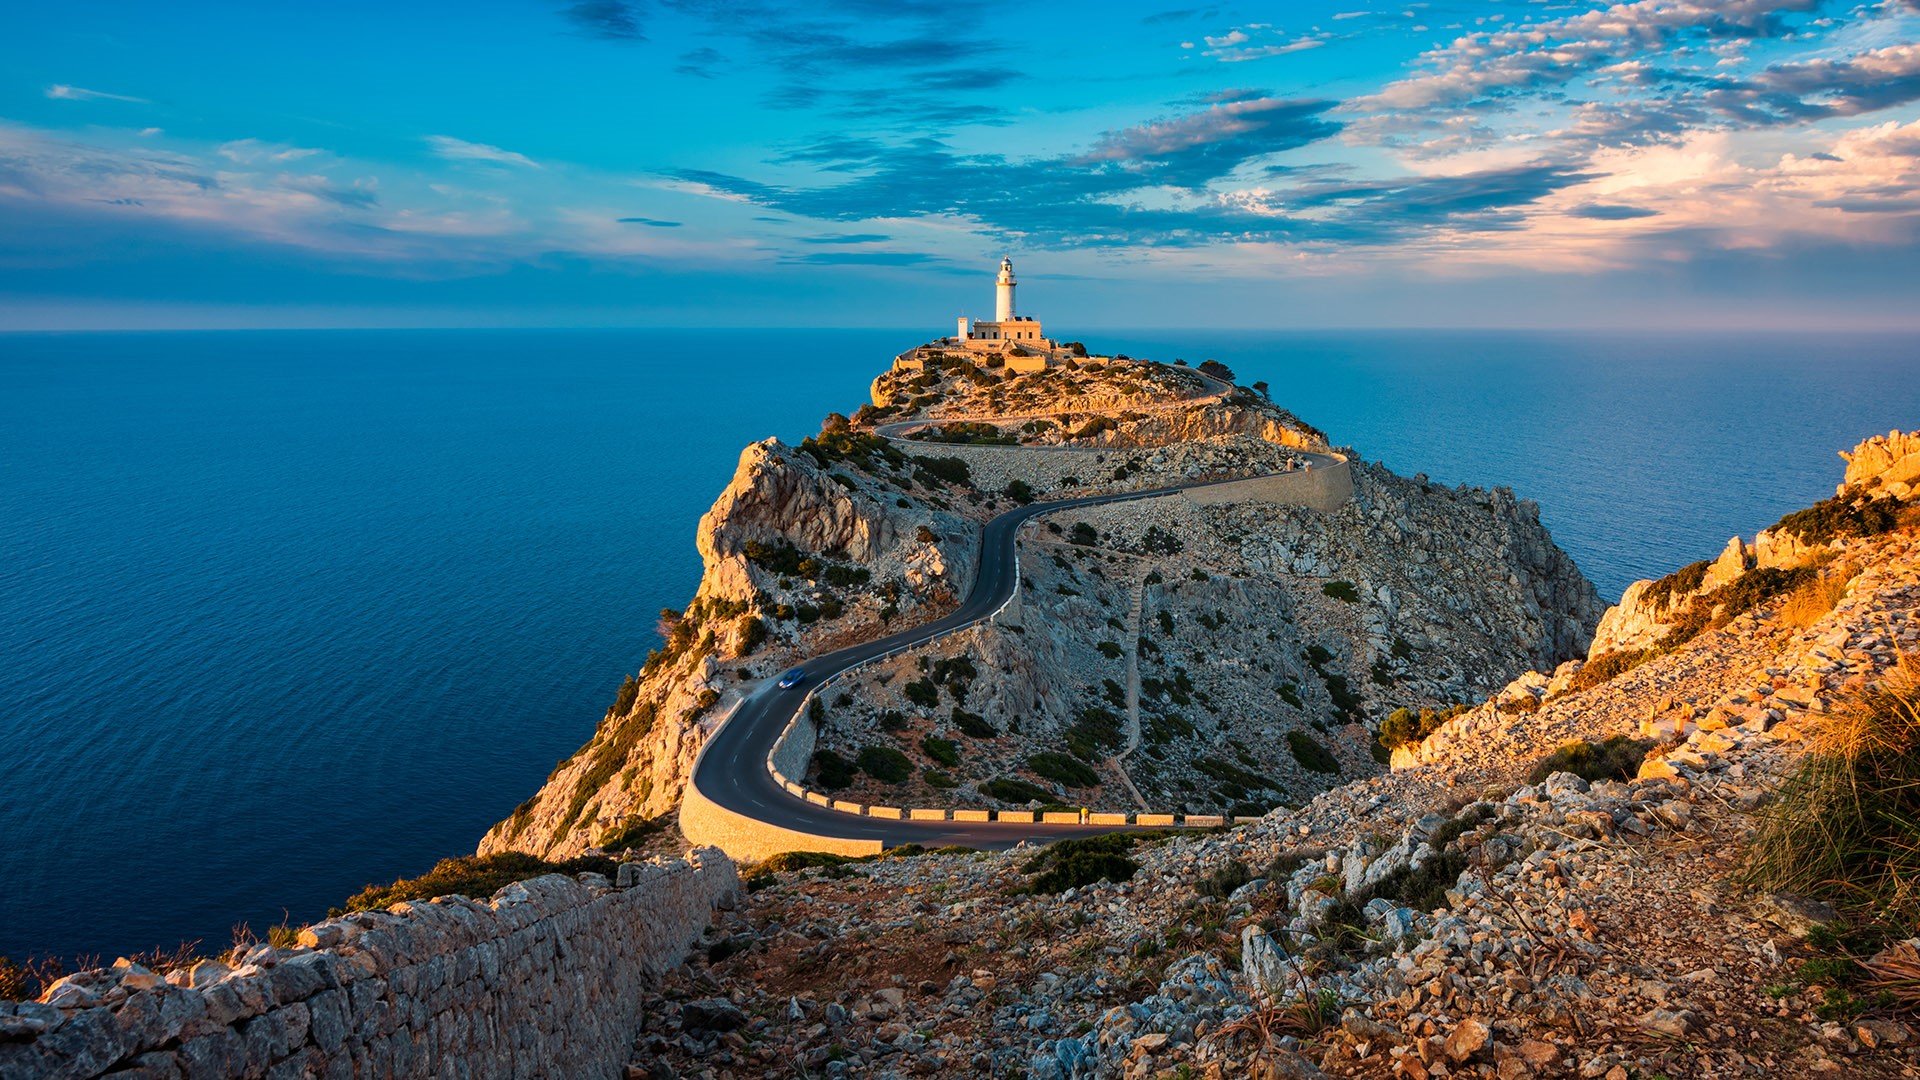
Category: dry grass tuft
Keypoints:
(1809, 603)
(1846, 824)
(1895, 972)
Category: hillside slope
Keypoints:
(1480, 911)
(1166, 654)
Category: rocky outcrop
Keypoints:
(1263, 632)
(545, 978)
(838, 557)
(1889, 462)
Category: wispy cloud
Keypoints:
(63, 92)
(453, 149)
(654, 223)
(608, 20)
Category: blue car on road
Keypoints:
(792, 679)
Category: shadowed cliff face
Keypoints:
(802, 551)
(1267, 641)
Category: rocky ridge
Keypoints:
(1470, 914)
(1244, 690)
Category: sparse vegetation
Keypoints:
(1310, 754)
(1616, 758)
(476, 876)
(884, 763)
(1014, 791)
(1082, 861)
(1345, 591)
(1063, 769)
(1844, 823)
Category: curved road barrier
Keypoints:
(746, 795)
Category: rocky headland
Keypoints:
(1580, 876)
(1167, 656)
(1480, 828)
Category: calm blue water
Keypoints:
(285, 613)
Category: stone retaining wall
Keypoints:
(544, 979)
(1325, 488)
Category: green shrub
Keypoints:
(922, 692)
(1607, 666)
(951, 470)
(1082, 861)
(1216, 369)
(1082, 534)
(1403, 726)
(831, 771)
(1345, 591)
(1659, 595)
(1617, 758)
(937, 779)
(893, 720)
(1014, 791)
(845, 576)
(1094, 730)
(944, 751)
(1310, 754)
(1290, 694)
(782, 558)
(1847, 514)
(1063, 769)
(788, 861)
(884, 764)
(633, 832)
(1111, 650)
(623, 701)
(1020, 491)
(473, 876)
(752, 633)
(973, 725)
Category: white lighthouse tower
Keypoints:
(1003, 293)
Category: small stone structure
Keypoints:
(544, 979)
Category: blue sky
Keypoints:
(1662, 163)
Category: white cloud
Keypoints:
(63, 92)
(453, 149)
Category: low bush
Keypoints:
(1617, 758)
(1015, 791)
(944, 751)
(1312, 756)
(1094, 731)
(1082, 534)
(474, 876)
(1847, 514)
(1082, 861)
(1064, 769)
(1345, 591)
(1403, 726)
(922, 692)
(831, 771)
(1607, 666)
(884, 764)
(1019, 491)
(973, 725)
(937, 779)
(951, 470)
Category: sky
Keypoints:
(1665, 164)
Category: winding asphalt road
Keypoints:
(732, 771)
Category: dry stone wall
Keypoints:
(544, 979)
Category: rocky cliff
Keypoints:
(1163, 655)
(1565, 881)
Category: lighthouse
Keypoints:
(1003, 292)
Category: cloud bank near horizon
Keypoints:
(1349, 153)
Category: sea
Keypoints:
(286, 613)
